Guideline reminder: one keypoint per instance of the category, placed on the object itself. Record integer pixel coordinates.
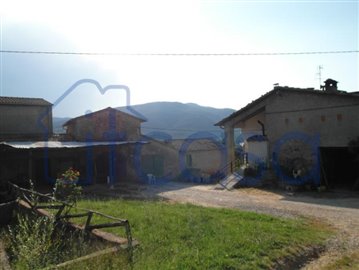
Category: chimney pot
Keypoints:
(330, 85)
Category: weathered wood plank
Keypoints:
(88, 257)
(101, 235)
(4, 260)
(105, 225)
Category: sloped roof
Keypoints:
(197, 145)
(131, 111)
(106, 109)
(278, 89)
(64, 144)
(23, 101)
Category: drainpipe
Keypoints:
(262, 125)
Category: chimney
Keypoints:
(330, 85)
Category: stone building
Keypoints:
(25, 118)
(103, 125)
(100, 145)
(112, 137)
(307, 133)
(192, 160)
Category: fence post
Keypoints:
(88, 221)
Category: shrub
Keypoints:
(35, 242)
(66, 188)
(32, 244)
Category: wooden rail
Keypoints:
(25, 200)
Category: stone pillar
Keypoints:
(229, 136)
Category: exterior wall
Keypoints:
(206, 158)
(251, 126)
(258, 151)
(104, 125)
(335, 124)
(324, 120)
(297, 123)
(21, 122)
(247, 121)
(156, 150)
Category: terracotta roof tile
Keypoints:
(23, 101)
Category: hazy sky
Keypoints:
(174, 27)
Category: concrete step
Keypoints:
(230, 181)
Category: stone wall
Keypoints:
(21, 122)
(104, 125)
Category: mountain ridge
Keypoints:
(180, 120)
(175, 119)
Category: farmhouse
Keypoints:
(300, 134)
(100, 145)
(112, 137)
(104, 125)
(25, 118)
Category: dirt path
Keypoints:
(340, 210)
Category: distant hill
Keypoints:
(174, 119)
(57, 123)
(180, 120)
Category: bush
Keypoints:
(35, 242)
(66, 188)
(32, 244)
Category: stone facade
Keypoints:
(175, 158)
(297, 124)
(104, 125)
(25, 118)
(333, 117)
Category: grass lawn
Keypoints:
(184, 236)
(347, 262)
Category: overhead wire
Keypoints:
(175, 54)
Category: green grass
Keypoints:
(346, 262)
(33, 243)
(183, 236)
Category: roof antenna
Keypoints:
(319, 74)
